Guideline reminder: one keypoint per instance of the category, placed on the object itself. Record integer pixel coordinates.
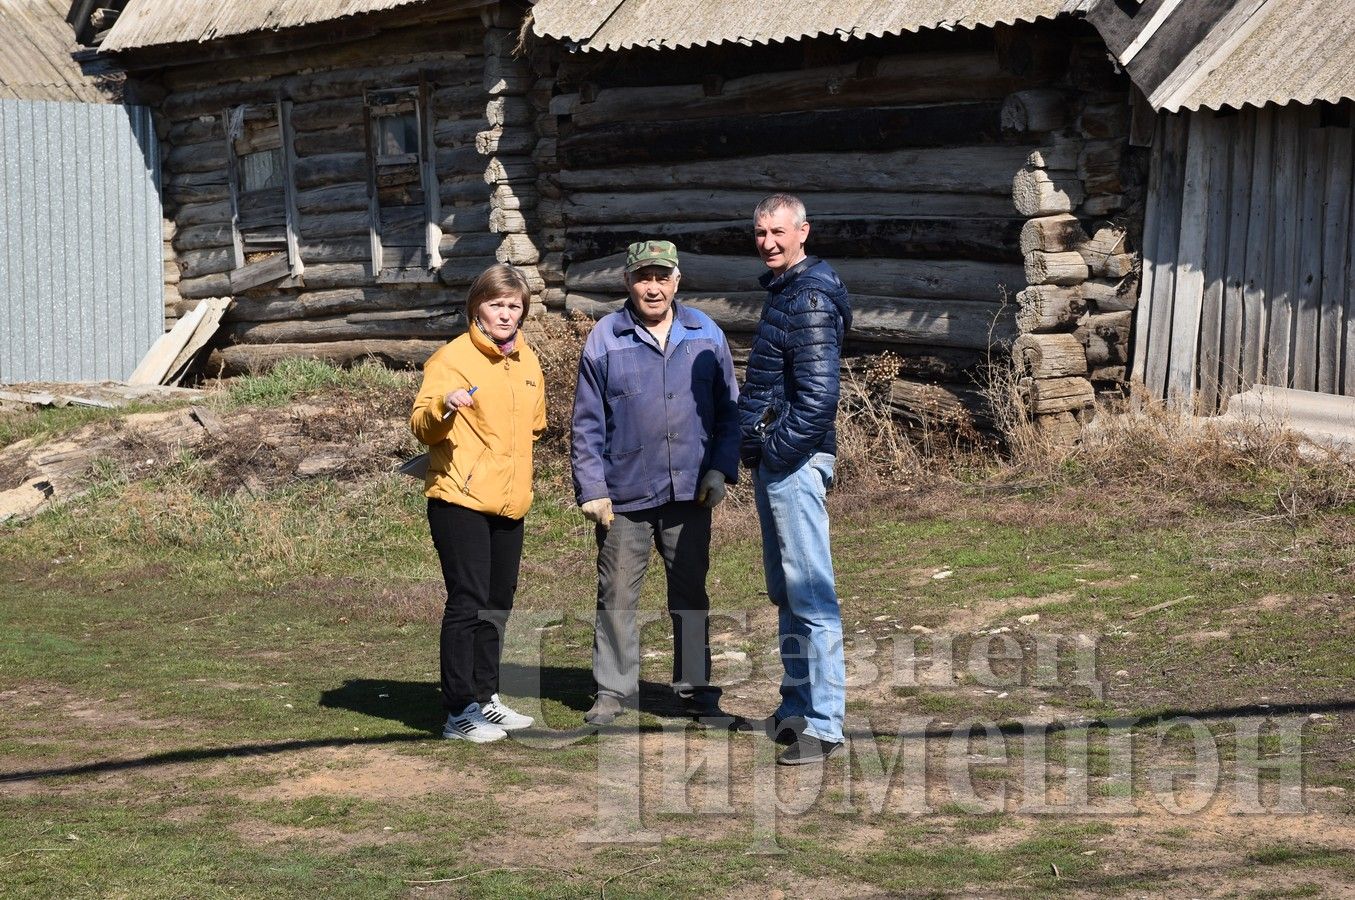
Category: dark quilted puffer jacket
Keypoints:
(789, 397)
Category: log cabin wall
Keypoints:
(386, 147)
(946, 174)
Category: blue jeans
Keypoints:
(799, 568)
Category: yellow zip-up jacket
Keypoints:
(480, 457)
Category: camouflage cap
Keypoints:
(651, 253)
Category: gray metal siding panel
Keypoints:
(80, 240)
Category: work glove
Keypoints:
(712, 489)
(599, 511)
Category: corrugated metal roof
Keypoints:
(1259, 52)
(1299, 51)
(35, 62)
(623, 24)
(150, 23)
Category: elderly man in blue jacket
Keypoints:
(655, 440)
(786, 413)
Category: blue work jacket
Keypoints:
(648, 423)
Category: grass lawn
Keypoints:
(213, 693)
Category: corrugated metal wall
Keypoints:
(81, 268)
(1249, 256)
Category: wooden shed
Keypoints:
(965, 165)
(1250, 234)
(325, 166)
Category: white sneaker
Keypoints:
(471, 725)
(501, 714)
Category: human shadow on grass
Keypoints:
(418, 700)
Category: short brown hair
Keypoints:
(498, 280)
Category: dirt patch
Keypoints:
(371, 773)
(988, 612)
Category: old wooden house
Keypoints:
(80, 257)
(325, 165)
(965, 166)
(1250, 228)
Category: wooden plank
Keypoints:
(1260, 238)
(1287, 172)
(233, 182)
(1154, 218)
(260, 272)
(1189, 294)
(297, 265)
(202, 335)
(1221, 134)
(1348, 363)
(1234, 272)
(155, 364)
(1169, 236)
(432, 202)
(1336, 227)
(1308, 261)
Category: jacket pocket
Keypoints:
(476, 468)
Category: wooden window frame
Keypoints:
(289, 267)
(401, 100)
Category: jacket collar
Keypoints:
(774, 282)
(485, 345)
(628, 323)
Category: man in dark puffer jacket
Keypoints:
(786, 412)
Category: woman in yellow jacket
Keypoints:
(481, 406)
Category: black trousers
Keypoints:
(480, 556)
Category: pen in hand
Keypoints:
(448, 414)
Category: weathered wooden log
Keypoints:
(1106, 337)
(947, 279)
(714, 205)
(253, 359)
(336, 198)
(1056, 395)
(1049, 355)
(546, 154)
(1104, 120)
(325, 114)
(1060, 430)
(1103, 183)
(858, 130)
(196, 187)
(1104, 204)
(1111, 297)
(507, 111)
(514, 196)
(910, 78)
(187, 214)
(1061, 154)
(1037, 192)
(1108, 373)
(507, 221)
(1052, 234)
(518, 249)
(506, 169)
(460, 271)
(338, 275)
(832, 237)
(332, 250)
(933, 323)
(458, 132)
(1048, 308)
(333, 168)
(281, 307)
(205, 287)
(196, 263)
(192, 131)
(980, 170)
(1100, 157)
(203, 237)
(473, 244)
(332, 225)
(344, 139)
(1039, 109)
(1055, 268)
(465, 220)
(1116, 265)
(505, 140)
(427, 322)
(946, 406)
(209, 156)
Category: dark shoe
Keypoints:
(783, 731)
(712, 717)
(604, 711)
(808, 749)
